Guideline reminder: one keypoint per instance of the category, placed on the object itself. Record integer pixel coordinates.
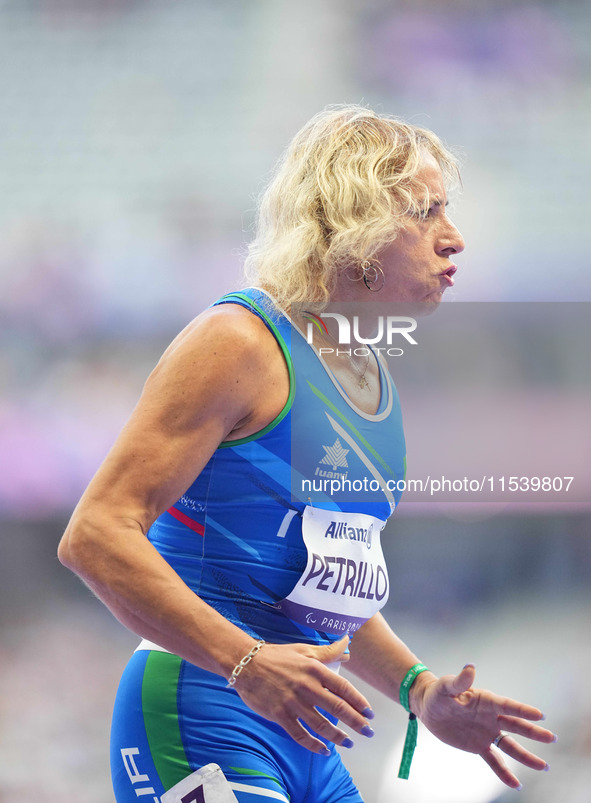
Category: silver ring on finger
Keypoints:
(497, 741)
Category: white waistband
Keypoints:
(149, 645)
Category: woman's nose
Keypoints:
(452, 242)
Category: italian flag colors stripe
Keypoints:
(182, 517)
(353, 429)
(159, 703)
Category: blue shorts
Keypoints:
(171, 718)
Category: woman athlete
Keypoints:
(247, 593)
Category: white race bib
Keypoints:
(345, 581)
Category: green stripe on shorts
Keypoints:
(244, 771)
(159, 703)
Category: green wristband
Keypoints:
(412, 729)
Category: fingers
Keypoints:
(470, 718)
(304, 738)
(504, 705)
(336, 651)
(515, 750)
(303, 714)
(456, 684)
(523, 728)
(465, 679)
(494, 703)
(299, 730)
(290, 683)
(342, 711)
(339, 699)
(345, 701)
(299, 719)
(500, 769)
(324, 728)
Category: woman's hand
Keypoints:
(288, 683)
(471, 719)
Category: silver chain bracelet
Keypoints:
(244, 662)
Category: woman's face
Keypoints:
(417, 265)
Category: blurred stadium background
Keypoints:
(134, 137)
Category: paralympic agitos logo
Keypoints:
(387, 326)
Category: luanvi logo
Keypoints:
(336, 456)
(386, 327)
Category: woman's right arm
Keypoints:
(198, 394)
(223, 378)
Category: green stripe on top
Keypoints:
(288, 360)
(159, 704)
(353, 429)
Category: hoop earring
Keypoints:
(372, 273)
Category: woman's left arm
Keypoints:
(458, 714)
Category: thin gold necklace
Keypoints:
(362, 381)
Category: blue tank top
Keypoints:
(264, 525)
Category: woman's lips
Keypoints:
(449, 273)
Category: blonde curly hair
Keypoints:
(340, 193)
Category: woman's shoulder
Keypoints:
(226, 331)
